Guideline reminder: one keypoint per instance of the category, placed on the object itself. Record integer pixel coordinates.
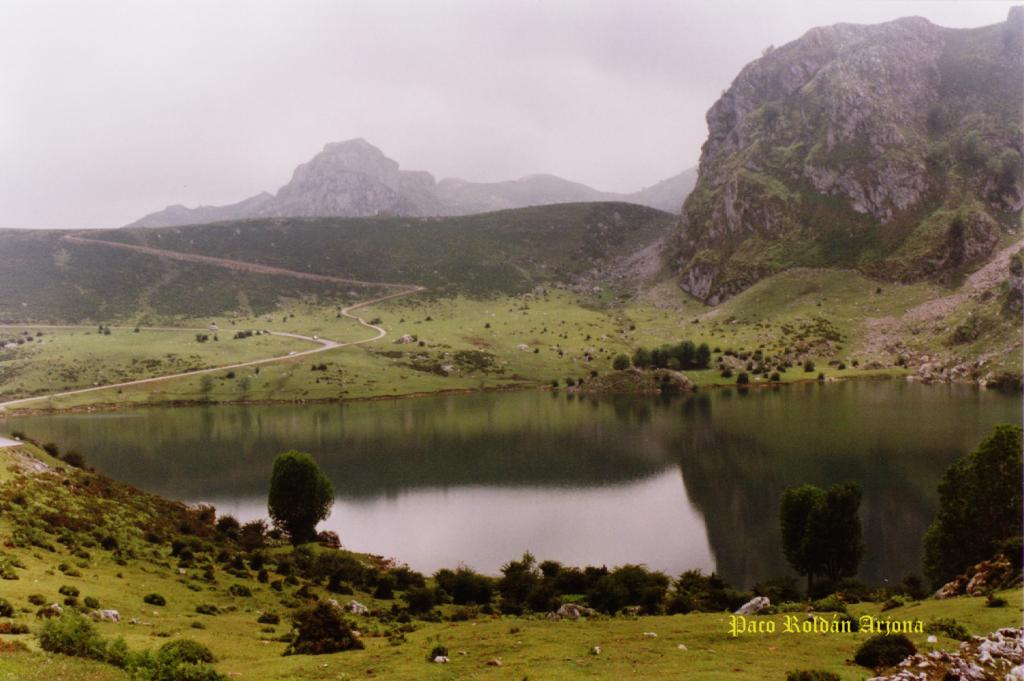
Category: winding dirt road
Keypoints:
(323, 343)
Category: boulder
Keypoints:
(356, 608)
(979, 579)
(441, 659)
(998, 655)
(405, 340)
(570, 611)
(106, 616)
(754, 605)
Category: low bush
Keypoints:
(884, 650)
(13, 628)
(6, 609)
(812, 675)
(385, 588)
(321, 629)
(695, 591)
(829, 604)
(778, 590)
(74, 459)
(269, 618)
(465, 586)
(437, 651)
(71, 634)
(154, 599)
(419, 600)
(948, 627)
(207, 609)
(179, 660)
(67, 591)
(185, 650)
(37, 599)
(893, 602)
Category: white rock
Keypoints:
(754, 605)
(650, 634)
(441, 659)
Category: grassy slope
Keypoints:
(63, 359)
(526, 646)
(503, 252)
(772, 315)
(45, 279)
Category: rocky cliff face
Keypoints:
(356, 179)
(893, 148)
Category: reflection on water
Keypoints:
(688, 482)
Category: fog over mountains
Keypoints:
(355, 179)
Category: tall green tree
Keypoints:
(795, 510)
(300, 495)
(821, 531)
(834, 530)
(979, 507)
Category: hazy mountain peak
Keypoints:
(354, 178)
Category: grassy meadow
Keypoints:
(466, 343)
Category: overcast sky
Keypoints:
(110, 110)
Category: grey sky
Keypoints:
(110, 110)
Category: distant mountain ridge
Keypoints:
(355, 179)
(893, 148)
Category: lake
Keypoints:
(674, 483)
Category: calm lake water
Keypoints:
(688, 482)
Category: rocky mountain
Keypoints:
(355, 179)
(892, 148)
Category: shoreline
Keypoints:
(114, 407)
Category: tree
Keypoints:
(821, 532)
(620, 362)
(979, 506)
(702, 357)
(835, 531)
(300, 495)
(795, 510)
(519, 578)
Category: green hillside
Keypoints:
(47, 278)
(508, 251)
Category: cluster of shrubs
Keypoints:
(179, 660)
(71, 457)
(757, 364)
(683, 355)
